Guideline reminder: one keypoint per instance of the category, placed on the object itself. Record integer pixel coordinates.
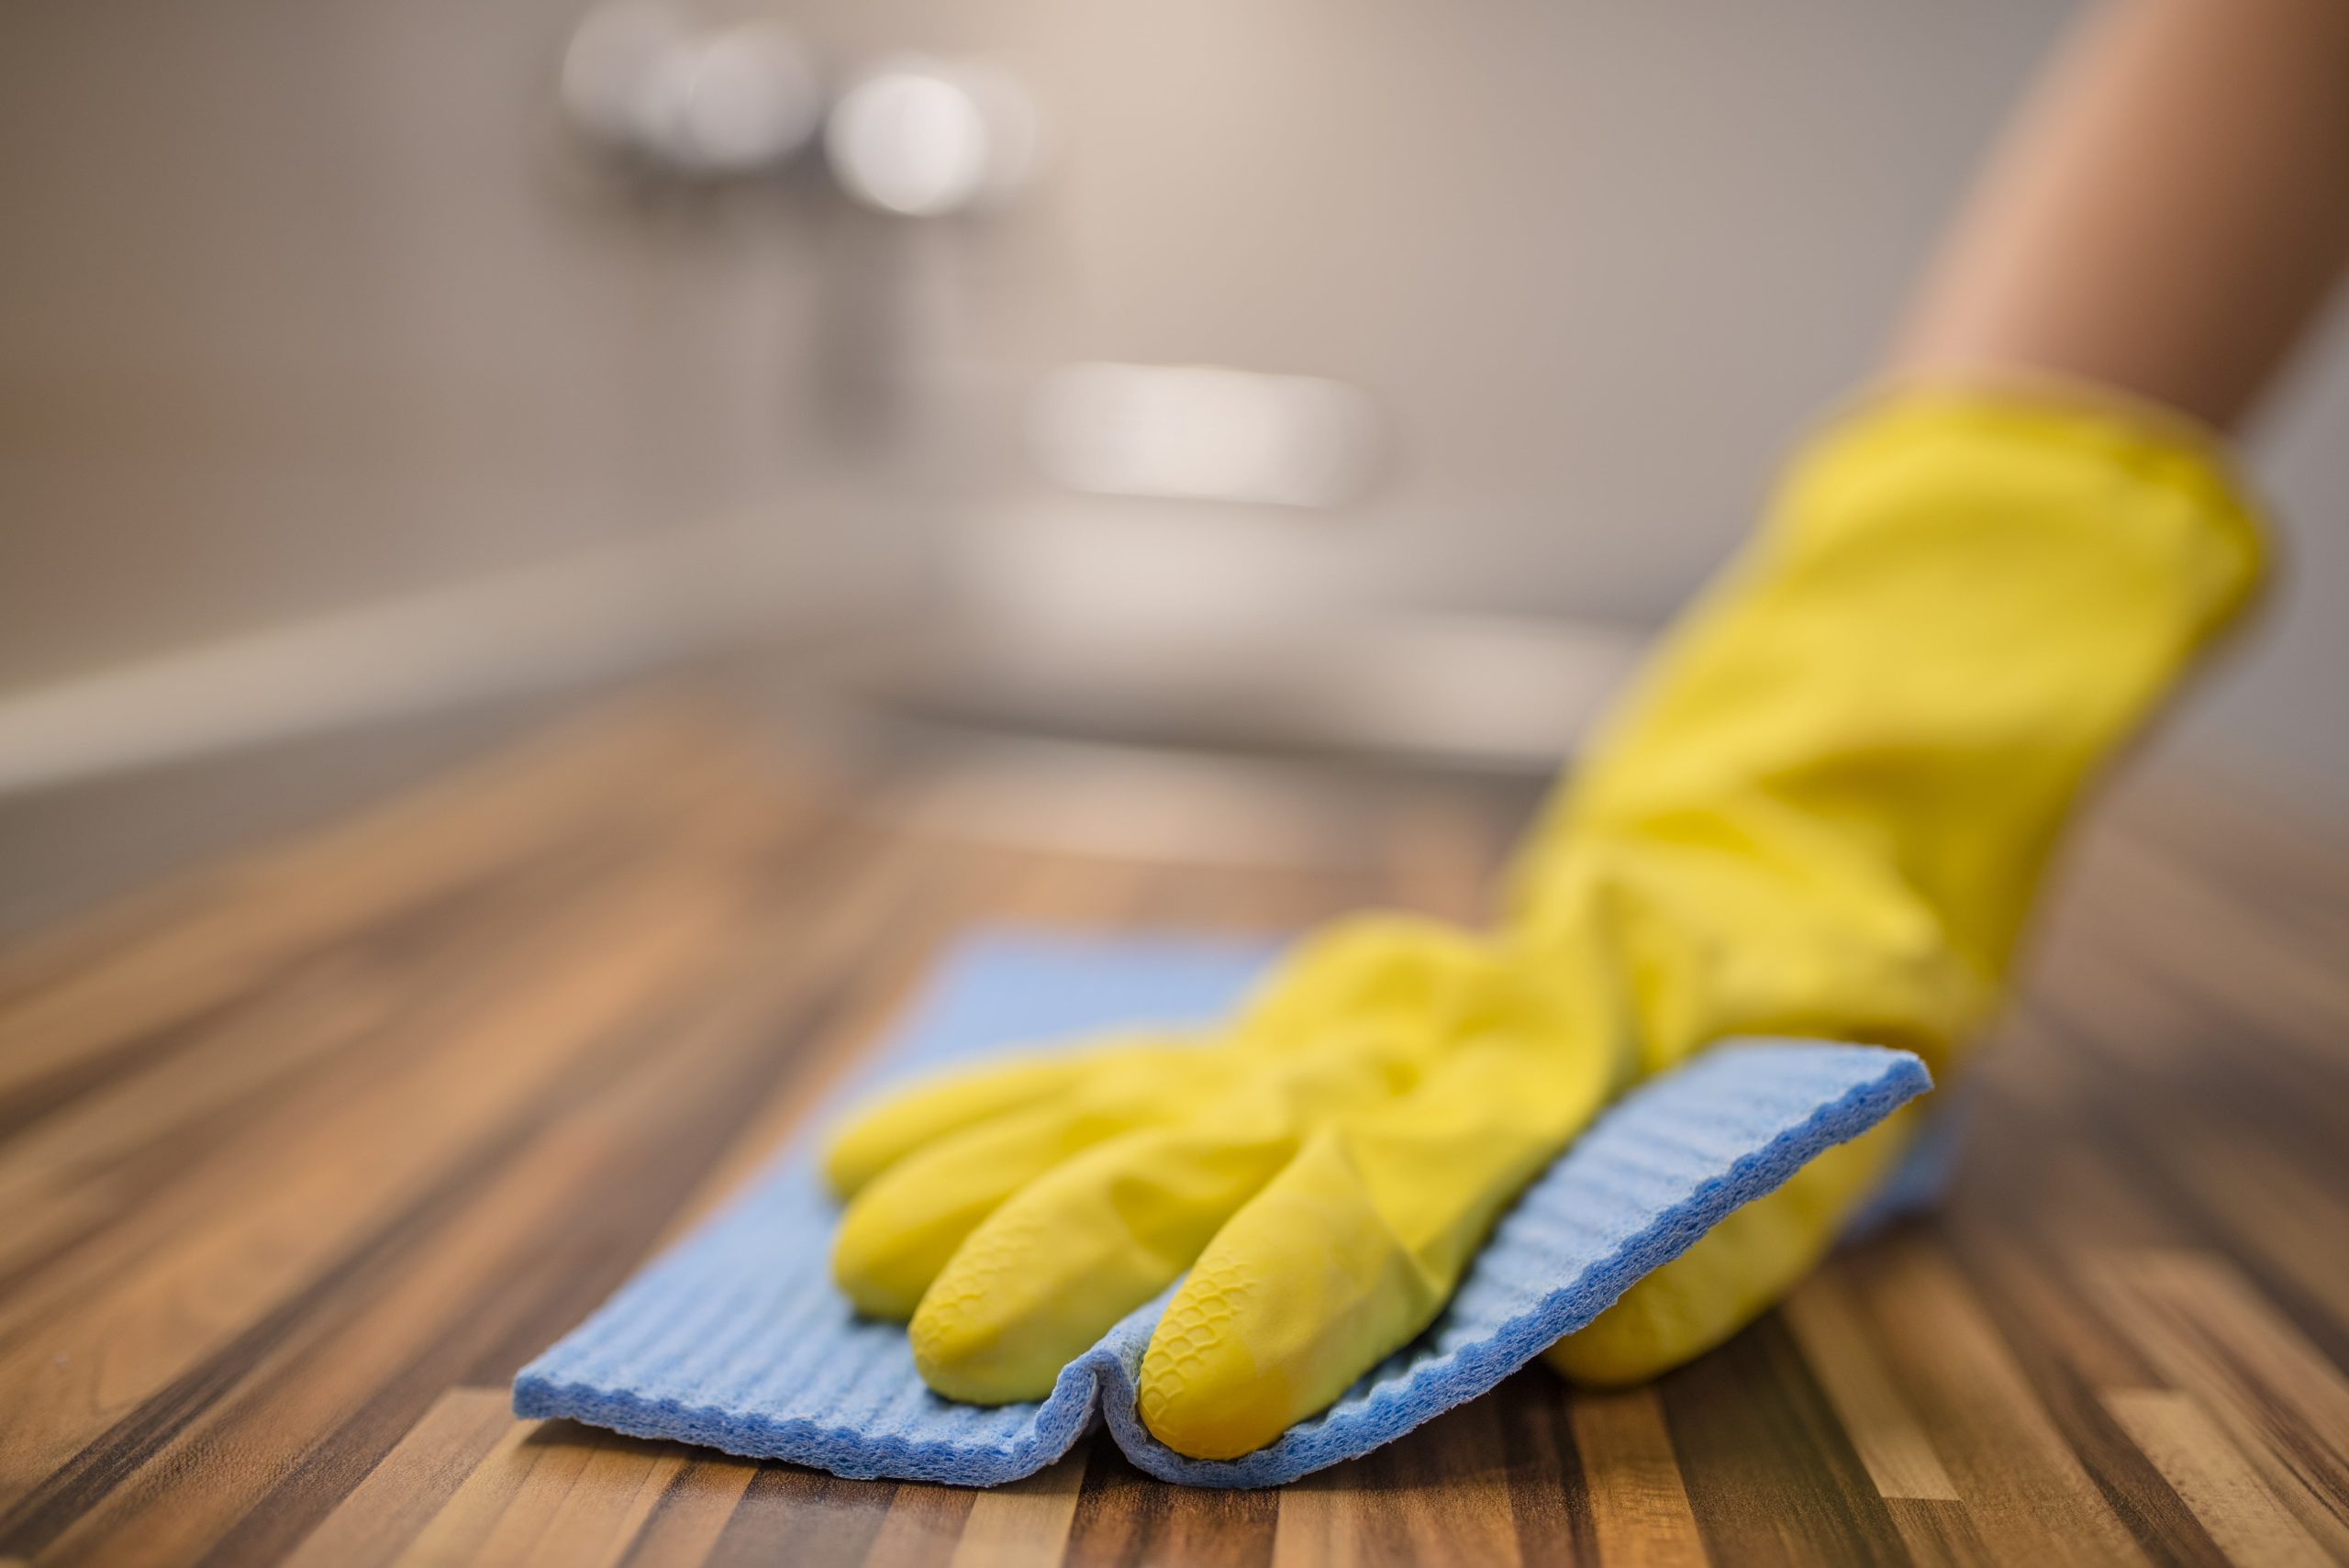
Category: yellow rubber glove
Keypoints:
(1823, 814)
(1324, 1169)
(1827, 807)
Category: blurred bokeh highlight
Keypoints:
(1123, 388)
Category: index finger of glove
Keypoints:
(1353, 1248)
(884, 1132)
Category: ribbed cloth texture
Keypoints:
(736, 1338)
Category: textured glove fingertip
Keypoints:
(1202, 1393)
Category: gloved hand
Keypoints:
(1324, 1167)
(1823, 813)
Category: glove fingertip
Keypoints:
(1201, 1392)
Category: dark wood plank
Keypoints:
(302, 1152)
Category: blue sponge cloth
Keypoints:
(737, 1339)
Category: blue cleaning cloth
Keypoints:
(736, 1338)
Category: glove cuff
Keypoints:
(2052, 447)
(1826, 807)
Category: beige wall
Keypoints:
(304, 304)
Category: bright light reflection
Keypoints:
(646, 79)
(922, 139)
(1202, 431)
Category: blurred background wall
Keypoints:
(334, 362)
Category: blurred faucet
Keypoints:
(924, 137)
(656, 84)
(651, 85)
(676, 99)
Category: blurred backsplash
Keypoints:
(1121, 358)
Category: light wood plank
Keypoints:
(457, 1534)
(1440, 1492)
(1994, 1438)
(2213, 1479)
(1024, 1522)
(922, 1528)
(403, 1492)
(1639, 1504)
(2293, 1221)
(2212, 1335)
(917, 930)
(89, 1366)
(603, 1509)
(1321, 1523)
(1890, 1441)
(688, 1520)
(1454, 1501)
(243, 1336)
(535, 1196)
(308, 893)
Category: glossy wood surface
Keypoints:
(302, 1152)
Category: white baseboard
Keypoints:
(581, 618)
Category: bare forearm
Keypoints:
(2166, 217)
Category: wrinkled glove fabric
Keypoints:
(1822, 814)
(738, 1339)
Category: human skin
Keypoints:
(1824, 817)
(2160, 227)
(2165, 217)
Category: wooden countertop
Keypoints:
(304, 1152)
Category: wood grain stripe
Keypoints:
(1639, 1504)
(680, 1080)
(1320, 1522)
(804, 1515)
(1025, 1522)
(292, 900)
(1889, 1438)
(302, 1153)
(1443, 1489)
(2214, 1479)
(462, 1527)
(401, 1495)
(1994, 1437)
(193, 1296)
(2210, 1334)
(606, 1505)
(417, 1086)
(691, 1515)
(923, 1526)
(128, 1145)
